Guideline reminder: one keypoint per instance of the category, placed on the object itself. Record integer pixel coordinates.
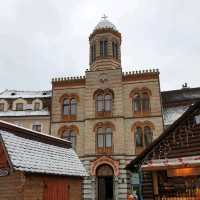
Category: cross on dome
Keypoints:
(104, 17)
(105, 23)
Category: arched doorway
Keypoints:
(105, 184)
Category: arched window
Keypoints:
(93, 53)
(104, 139)
(69, 106)
(73, 106)
(103, 48)
(100, 103)
(148, 136)
(71, 136)
(115, 50)
(145, 102)
(104, 103)
(138, 137)
(137, 103)
(108, 102)
(66, 107)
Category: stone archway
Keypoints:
(105, 184)
(105, 169)
(105, 160)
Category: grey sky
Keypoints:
(41, 39)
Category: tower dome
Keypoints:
(105, 43)
(105, 24)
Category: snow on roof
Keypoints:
(172, 162)
(12, 113)
(171, 114)
(104, 23)
(14, 94)
(30, 155)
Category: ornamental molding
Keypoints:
(102, 161)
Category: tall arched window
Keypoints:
(148, 136)
(104, 102)
(66, 107)
(103, 48)
(141, 101)
(71, 136)
(115, 50)
(108, 102)
(145, 102)
(93, 53)
(73, 105)
(104, 139)
(69, 106)
(100, 103)
(137, 103)
(138, 137)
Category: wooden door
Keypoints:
(56, 189)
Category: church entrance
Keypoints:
(105, 183)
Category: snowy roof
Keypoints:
(12, 113)
(171, 162)
(171, 114)
(104, 23)
(186, 94)
(14, 94)
(33, 152)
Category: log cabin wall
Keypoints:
(181, 142)
(10, 186)
(147, 186)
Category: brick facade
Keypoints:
(105, 74)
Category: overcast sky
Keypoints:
(41, 39)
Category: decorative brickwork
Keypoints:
(105, 160)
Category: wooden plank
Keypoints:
(56, 189)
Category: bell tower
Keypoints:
(105, 46)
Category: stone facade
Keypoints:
(106, 77)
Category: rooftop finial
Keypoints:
(104, 17)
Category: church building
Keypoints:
(108, 115)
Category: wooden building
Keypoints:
(34, 166)
(170, 167)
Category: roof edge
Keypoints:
(34, 135)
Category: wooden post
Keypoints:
(155, 185)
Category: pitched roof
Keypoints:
(142, 155)
(177, 96)
(171, 114)
(33, 152)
